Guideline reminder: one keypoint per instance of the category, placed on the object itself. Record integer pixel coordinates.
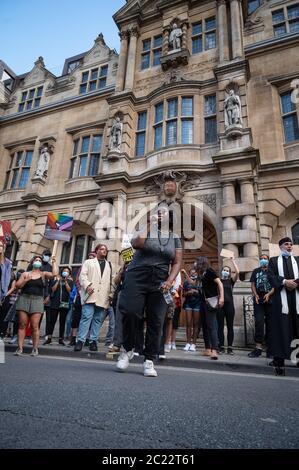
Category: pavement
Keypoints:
(240, 362)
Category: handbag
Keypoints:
(212, 301)
(65, 305)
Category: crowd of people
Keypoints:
(144, 300)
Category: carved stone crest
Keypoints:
(172, 185)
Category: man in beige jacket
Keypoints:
(95, 279)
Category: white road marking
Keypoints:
(173, 368)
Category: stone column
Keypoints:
(184, 36)
(165, 43)
(222, 32)
(230, 223)
(131, 59)
(122, 62)
(236, 29)
(25, 253)
(249, 222)
(247, 192)
(228, 191)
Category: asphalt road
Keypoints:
(49, 402)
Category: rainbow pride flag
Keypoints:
(5, 231)
(58, 227)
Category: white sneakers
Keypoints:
(167, 347)
(13, 340)
(173, 346)
(148, 369)
(124, 360)
(18, 352)
(34, 352)
(189, 347)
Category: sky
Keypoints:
(53, 29)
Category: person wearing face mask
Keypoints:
(227, 312)
(5, 278)
(60, 288)
(213, 293)
(30, 304)
(191, 306)
(284, 320)
(262, 286)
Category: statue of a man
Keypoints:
(170, 188)
(43, 163)
(175, 37)
(232, 106)
(116, 135)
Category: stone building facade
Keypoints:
(204, 89)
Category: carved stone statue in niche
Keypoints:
(115, 139)
(43, 163)
(233, 110)
(175, 37)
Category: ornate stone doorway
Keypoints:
(209, 249)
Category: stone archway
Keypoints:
(209, 249)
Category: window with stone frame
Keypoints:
(72, 65)
(173, 122)
(203, 35)
(253, 5)
(94, 79)
(75, 252)
(30, 99)
(141, 134)
(151, 52)
(286, 20)
(210, 119)
(289, 117)
(86, 156)
(17, 175)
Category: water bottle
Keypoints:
(167, 295)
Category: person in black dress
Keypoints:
(212, 289)
(227, 312)
(60, 288)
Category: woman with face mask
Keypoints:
(191, 306)
(30, 304)
(227, 312)
(5, 278)
(262, 286)
(60, 288)
(213, 293)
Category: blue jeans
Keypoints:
(68, 323)
(111, 326)
(93, 318)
